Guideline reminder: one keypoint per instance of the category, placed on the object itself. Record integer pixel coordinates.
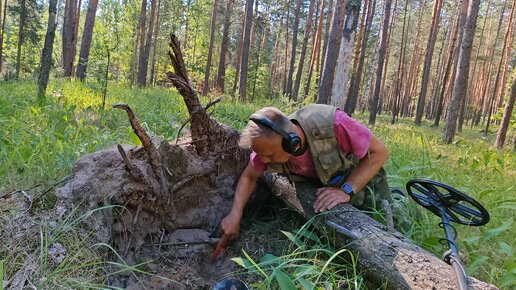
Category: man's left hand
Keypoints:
(328, 198)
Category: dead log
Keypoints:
(383, 255)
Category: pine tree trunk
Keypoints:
(315, 50)
(244, 61)
(295, 28)
(413, 72)
(155, 45)
(446, 78)
(86, 40)
(239, 54)
(329, 18)
(332, 50)
(285, 57)
(70, 26)
(461, 79)
(506, 47)
(141, 50)
(21, 35)
(356, 79)
(221, 72)
(338, 96)
(434, 29)
(302, 55)
(46, 54)
(373, 108)
(507, 113)
(2, 29)
(472, 87)
(505, 67)
(399, 77)
(206, 85)
(143, 65)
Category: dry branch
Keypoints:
(148, 145)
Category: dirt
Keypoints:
(170, 234)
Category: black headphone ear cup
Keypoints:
(292, 145)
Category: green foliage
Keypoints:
(472, 167)
(311, 263)
(40, 142)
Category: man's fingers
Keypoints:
(333, 204)
(323, 202)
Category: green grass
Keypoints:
(40, 142)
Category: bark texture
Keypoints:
(461, 79)
(46, 54)
(86, 40)
(383, 256)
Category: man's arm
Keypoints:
(368, 166)
(231, 223)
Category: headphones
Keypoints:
(290, 143)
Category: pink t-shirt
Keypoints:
(352, 137)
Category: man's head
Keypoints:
(270, 134)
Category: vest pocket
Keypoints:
(330, 162)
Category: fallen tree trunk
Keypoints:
(383, 256)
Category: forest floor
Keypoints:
(51, 249)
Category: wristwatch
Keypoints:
(347, 189)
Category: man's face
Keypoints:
(269, 149)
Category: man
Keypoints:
(317, 142)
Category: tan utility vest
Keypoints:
(317, 122)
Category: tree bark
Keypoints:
(373, 108)
(314, 58)
(461, 79)
(383, 256)
(86, 40)
(239, 54)
(332, 50)
(143, 65)
(221, 72)
(432, 36)
(329, 18)
(302, 55)
(413, 71)
(2, 29)
(342, 70)
(295, 28)
(155, 44)
(502, 131)
(141, 50)
(399, 77)
(510, 32)
(356, 78)
(21, 35)
(206, 85)
(506, 47)
(69, 35)
(244, 61)
(46, 54)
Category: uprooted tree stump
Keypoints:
(156, 197)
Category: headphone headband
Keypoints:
(259, 119)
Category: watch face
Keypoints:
(347, 188)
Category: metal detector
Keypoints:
(449, 204)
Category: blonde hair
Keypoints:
(253, 130)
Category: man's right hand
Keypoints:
(230, 226)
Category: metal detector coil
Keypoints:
(440, 198)
(450, 205)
